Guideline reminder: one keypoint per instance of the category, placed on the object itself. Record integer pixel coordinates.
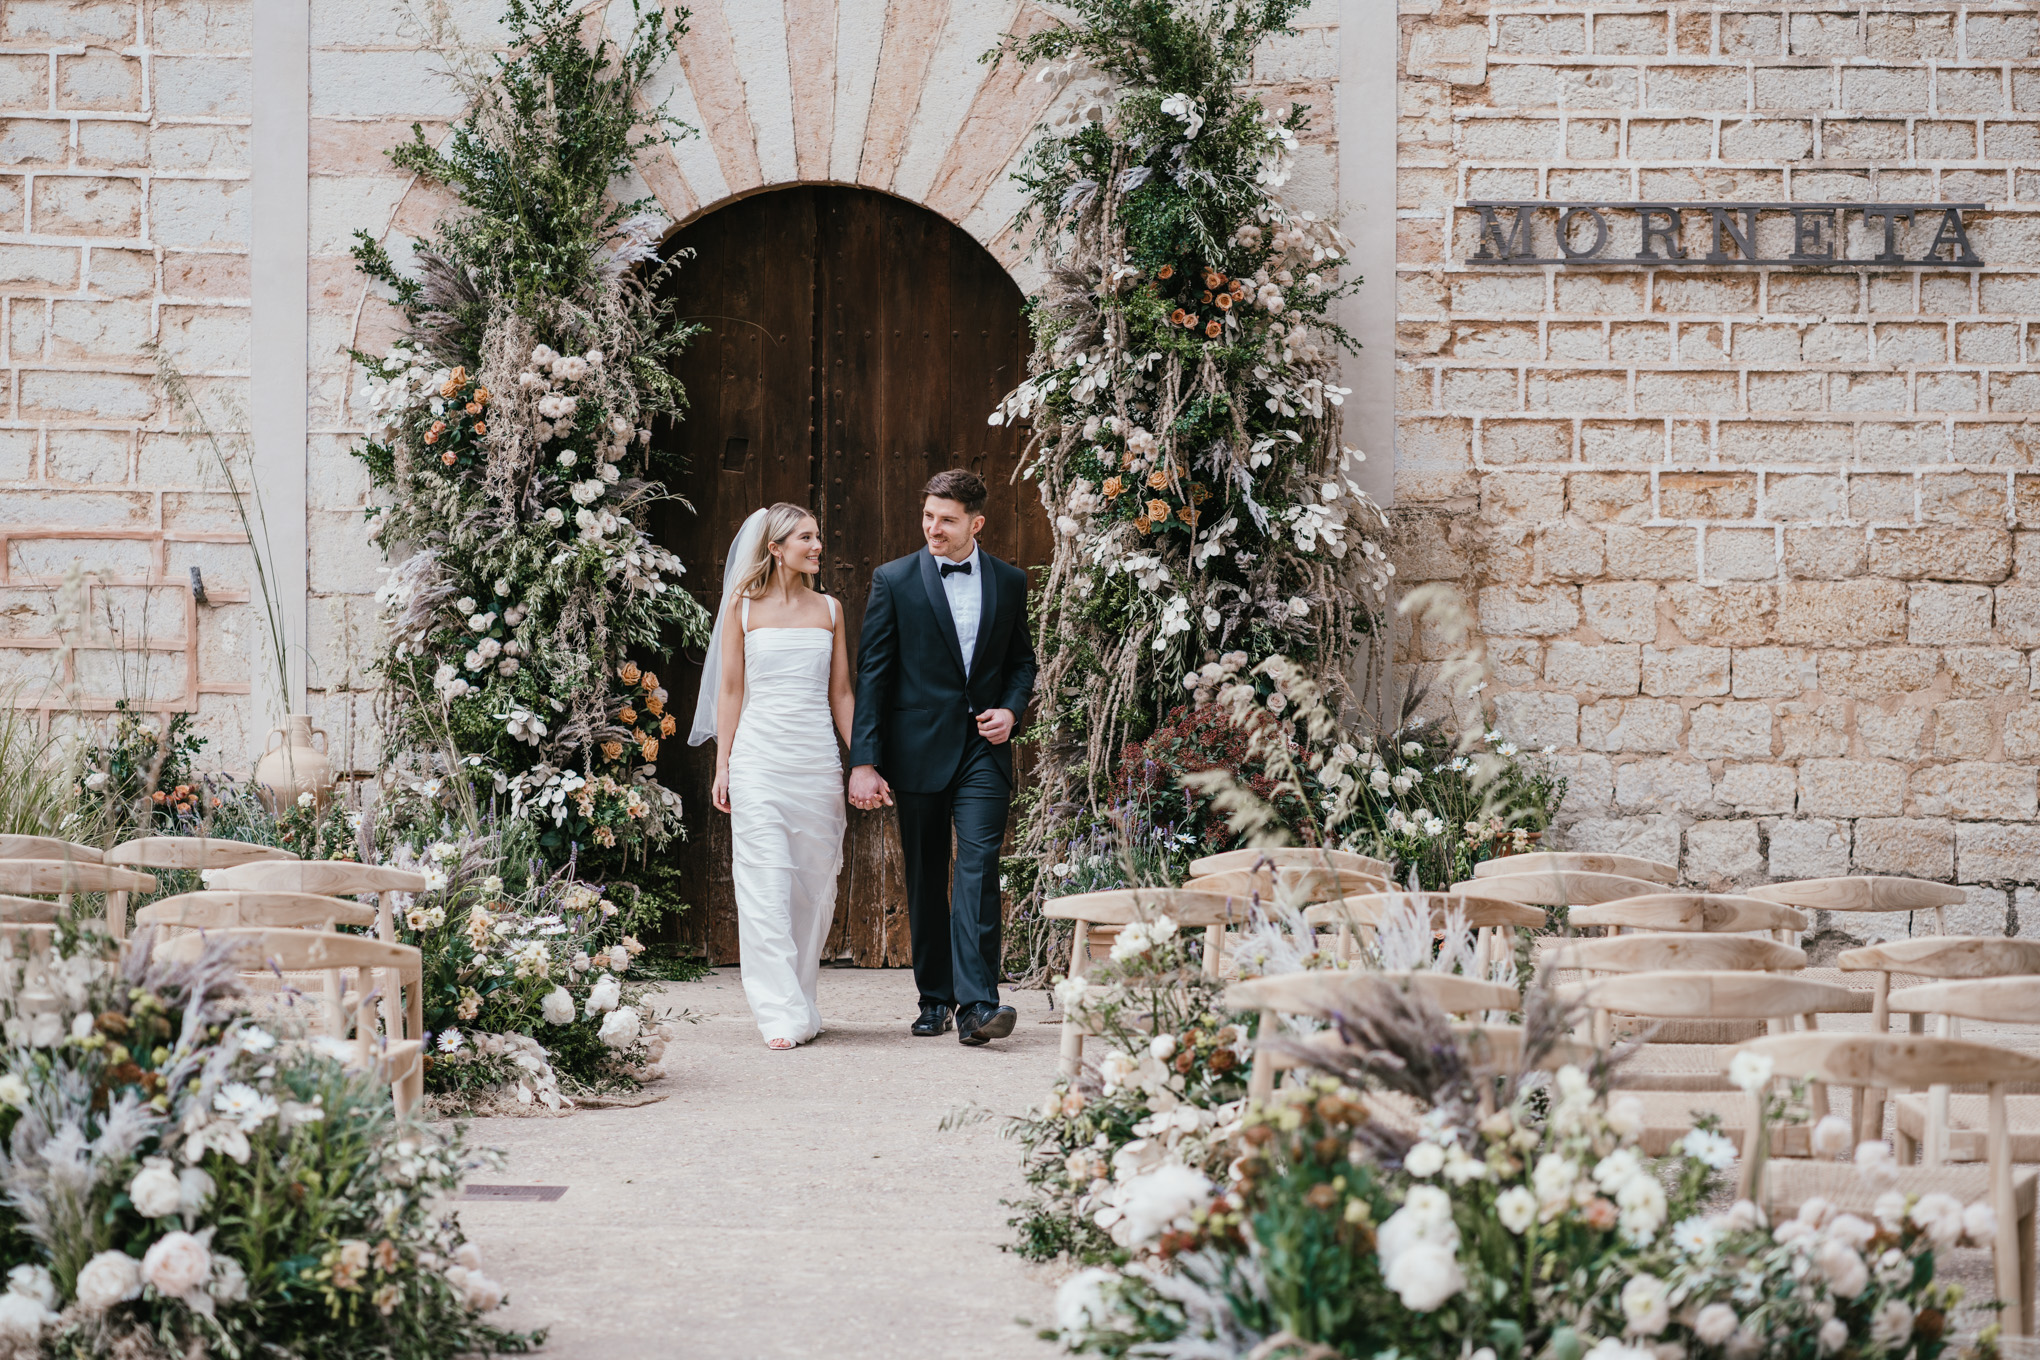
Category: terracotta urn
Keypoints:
(292, 766)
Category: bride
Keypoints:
(769, 703)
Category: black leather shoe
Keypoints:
(981, 1022)
(934, 1020)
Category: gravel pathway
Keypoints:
(802, 1204)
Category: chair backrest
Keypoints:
(1947, 956)
(296, 951)
(1481, 913)
(1321, 992)
(192, 852)
(1501, 1046)
(1681, 953)
(1558, 888)
(214, 910)
(47, 847)
(37, 910)
(1124, 906)
(1893, 1060)
(2008, 1000)
(1547, 861)
(1699, 912)
(1670, 995)
(1293, 856)
(37, 876)
(328, 877)
(1293, 884)
(1863, 892)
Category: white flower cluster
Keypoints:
(396, 384)
(550, 373)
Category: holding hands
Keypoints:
(868, 788)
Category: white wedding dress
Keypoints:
(787, 818)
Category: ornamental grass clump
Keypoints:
(511, 437)
(177, 1179)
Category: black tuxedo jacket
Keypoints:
(916, 715)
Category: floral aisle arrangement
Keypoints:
(176, 1180)
(1508, 1218)
(527, 982)
(511, 441)
(1182, 391)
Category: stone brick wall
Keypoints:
(1757, 551)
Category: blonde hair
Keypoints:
(780, 522)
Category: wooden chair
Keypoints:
(181, 852)
(1356, 918)
(1322, 993)
(1866, 892)
(1671, 951)
(1558, 887)
(1675, 1081)
(224, 910)
(1700, 913)
(47, 847)
(1206, 911)
(61, 878)
(1293, 856)
(1942, 958)
(1890, 1061)
(1548, 861)
(1954, 1128)
(1296, 884)
(397, 1057)
(39, 910)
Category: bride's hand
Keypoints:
(719, 794)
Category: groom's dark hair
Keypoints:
(961, 485)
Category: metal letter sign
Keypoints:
(1650, 234)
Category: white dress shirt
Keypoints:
(966, 602)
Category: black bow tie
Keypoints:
(951, 568)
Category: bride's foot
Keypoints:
(779, 1043)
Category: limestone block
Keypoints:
(1846, 613)
(1851, 788)
(1589, 782)
(1525, 441)
(1975, 789)
(1753, 788)
(1586, 668)
(1807, 848)
(1912, 847)
(1938, 615)
(2022, 733)
(209, 26)
(206, 338)
(101, 81)
(210, 87)
(1826, 554)
(1732, 615)
(1881, 496)
(1578, 390)
(1534, 718)
(1652, 554)
(1877, 671)
(2018, 614)
(1943, 554)
(1723, 855)
(1625, 611)
(1644, 725)
(1529, 611)
(88, 457)
(1541, 34)
(1990, 852)
(1611, 497)
(1773, 441)
(1689, 392)
(1895, 735)
(1651, 837)
(1662, 784)
(1771, 672)
(1707, 495)
(1732, 730)
(208, 214)
(17, 455)
(2026, 913)
(110, 332)
(1987, 911)
(87, 205)
(108, 23)
(122, 273)
(1742, 554)
(1480, 389)
(103, 396)
(1630, 441)
(1681, 671)
(1456, 55)
(1516, 662)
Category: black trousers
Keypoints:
(956, 926)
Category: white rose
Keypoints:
(194, 1190)
(1875, 1162)
(1517, 1208)
(555, 516)
(1834, 1334)
(1979, 1224)
(177, 1264)
(155, 1189)
(1846, 1274)
(109, 1278)
(1941, 1216)
(13, 1090)
(1424, 1276)
(229, 1281)
(1645, 1306)
(22, 1320)
(1890, 1326)
(605, 995)
(1751, 1072)
(1715, 1324)
(1424, 1160)
(620, 1027)
(1831, 1136)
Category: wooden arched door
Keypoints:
(855, 345)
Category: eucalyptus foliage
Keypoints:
(512, 443)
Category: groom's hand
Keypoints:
(995, 725)
(868, 788)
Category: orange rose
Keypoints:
(1113, 486)
(1188, 514)
(447, 458)
(629, 674)
(1177, 317)
(648, 747)
(1199, 492)
(667, 725)
(611, 749)
(1158, 511)
(1225, 301)
(1140, 522)
(1211, 329)
(1167, 271)
(1159, 478)
(481, 427)
(1206, 297)
(649, 683)
(626, 715)
(431, 436)
(1189, 322)
(473, 408)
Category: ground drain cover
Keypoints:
(541, 1193)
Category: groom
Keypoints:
(944, 670)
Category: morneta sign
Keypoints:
(1792, 235)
